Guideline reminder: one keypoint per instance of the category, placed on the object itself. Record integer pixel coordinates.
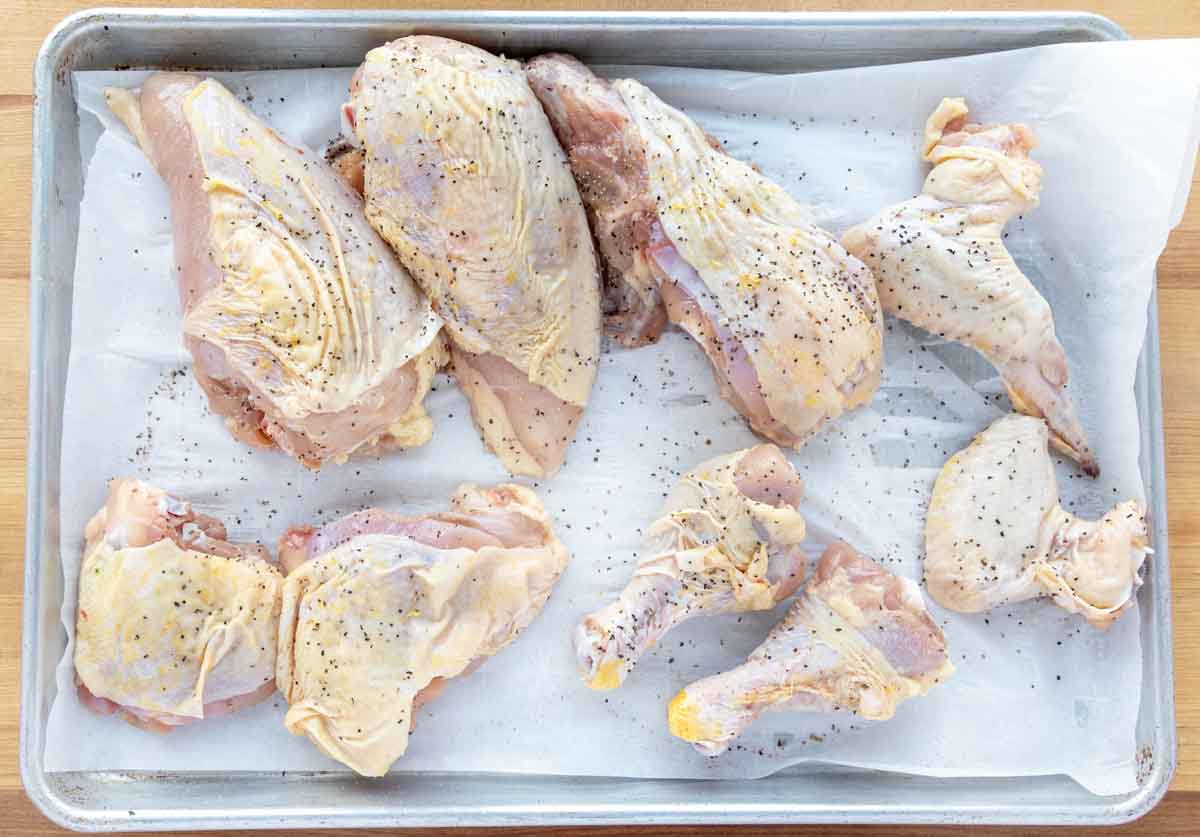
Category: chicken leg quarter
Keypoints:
(857, 638)
(995, 532)
(942, 265)
(728, 540)
(463, 177)
(788, 319)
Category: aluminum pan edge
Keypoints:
(59, 799)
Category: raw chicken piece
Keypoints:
(379, 610)
(857, 638)
(941, 264)
(175, 624)
(464, 178)
(728, 540)
(305, 330)
(789, 320)
(995, 532)
(608, 160)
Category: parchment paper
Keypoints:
(1036, 692)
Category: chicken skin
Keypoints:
(380, 610)
(857, 638)
(463, 177)
(175, 624)
(942, 265)
(304, 329)
(789, 320)
(995, 532)
(728, 540)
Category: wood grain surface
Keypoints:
(26, 23)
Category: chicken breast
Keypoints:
(304, 329)
(858, 638)
(380, 610)
(728, 540)
(942, 265)
(608, 159)
(175, 624)
(789, 320)
(995, 532)
(463, 177)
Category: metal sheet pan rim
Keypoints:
(65, 810)
(930, 19)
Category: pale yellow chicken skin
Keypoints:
(175, 624)
(857, 638)
(305, 330)
(995, 532)
(941, 264)
(728, 540)
(463, 177)
(379, 610)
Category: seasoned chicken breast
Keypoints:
(728, 540)
(995, 532)
(463, 177)
(789, 320)
(380, 610)
(942, 265)
(857, 638)
(175, 624)
(304, 329)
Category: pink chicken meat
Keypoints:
(608, 160)
(305, 331)
(463, 177)
(175, 624)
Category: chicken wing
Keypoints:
(379, 610)
(175, 624)
(305, 330)
(995, 532)
(857, 638)
(463, 177)
(728, 540)
(789, 320)
(942, 265)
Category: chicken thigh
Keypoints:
(175, 624)
(463, 177)
(379, 610)
(942, 265)
(305, 330)
(857, 638)
(995, 532)
(728, 540)
(789, 320)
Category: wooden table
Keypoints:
(26, 23)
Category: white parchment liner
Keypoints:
(1036, 692)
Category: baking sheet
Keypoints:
(1117, 126)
